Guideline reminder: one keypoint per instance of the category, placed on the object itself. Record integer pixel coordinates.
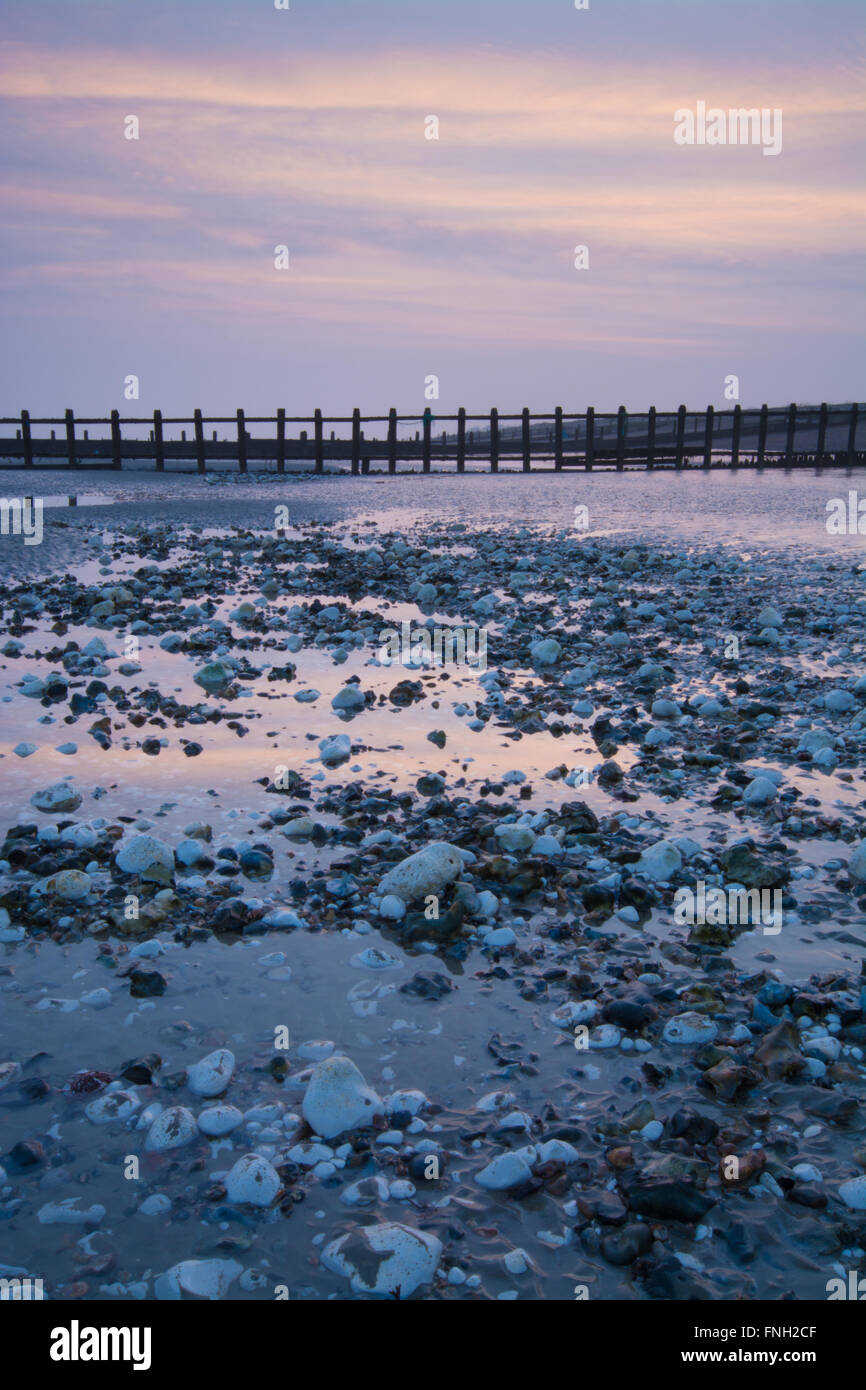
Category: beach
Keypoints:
(463, 879)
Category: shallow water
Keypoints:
(228, 992)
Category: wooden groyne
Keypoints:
(781, 437)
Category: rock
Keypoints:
(857, 863)
(115, 1105)
(392, 908)
(660, 861)
(760, 792)
(546, 652)
(839, 701)
(428, 871)
(71, 885)
(514, 837)
(172, 1129)
(405, 1103)
(501, 939)
(623, 1247)
(217, 1120)
(70, 1211)
(664, 1198)
(769, 617)
(211, 1076)
(61, 796)
(253, 1181)
(336, 749)
(338, 1098)
(148, 858)
(665, 709)
(209, 1279)
(349, 699)
(503, 1172)
(366, 1192)
(390, 1259)
(690, 1029)
(434, 986)
(146, 984)
(214, 677)
(853, 1192)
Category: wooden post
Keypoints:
(681, 436)
(392, 440)
(281, 439)
(70, 439)
(527, 440)
(461, 439)
(116, 461)
(318, 436)
(651, 437)
(735, 437)
(26, 439)
(557, 439)
(428, 423)
(792, 430)
(159, 452)
(242, 442)
(494, 440)
(199, 440)
(852, 433)
(762, 434)
(708, 438)
(621, 432)
(822, 431)
(356, 440)
(590, 436)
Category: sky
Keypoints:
(412, 258)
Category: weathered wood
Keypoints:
(681, 436)
(392, 440)
(70, 439)
(792, 430)
(762, 434)
(158, 449)
(736, 432)
(621, 432)
(607, 440)
(356, 440)
(26, 439)
(852, 434)
(116, 460)
(201, 458)
(708, 438)
(281, 439)
(242, 442)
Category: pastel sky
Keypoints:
(411, 257)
